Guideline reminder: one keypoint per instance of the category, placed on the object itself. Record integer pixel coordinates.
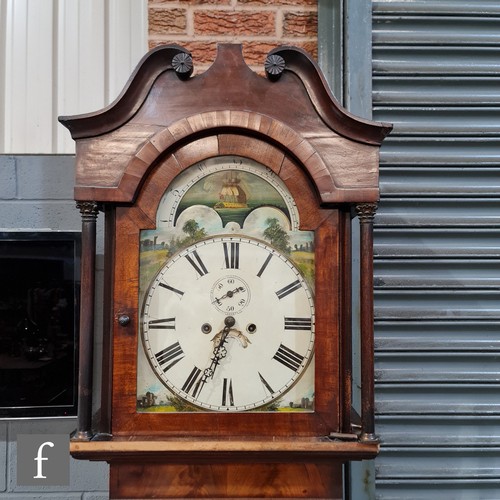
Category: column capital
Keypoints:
(88, 210)
(366, 212)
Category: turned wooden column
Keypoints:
(366, 214)
(89, 211)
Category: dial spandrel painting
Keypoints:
(226, 295)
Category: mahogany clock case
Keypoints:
(128, 155)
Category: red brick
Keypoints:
(167, 21)
(308, 3)
(255, 53)
(222, 22)
(300, 24)
(189, 2)
(203, 52)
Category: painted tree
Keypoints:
(276, 235)
(194, 232)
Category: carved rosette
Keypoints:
(274, 66)
(366, 212)
(183, 65)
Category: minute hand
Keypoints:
(218, 354)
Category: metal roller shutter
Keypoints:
(436, 76)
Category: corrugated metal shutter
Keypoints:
(436, 76)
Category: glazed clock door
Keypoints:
(233, 289)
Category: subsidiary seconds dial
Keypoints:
(230, 294)
(228, 324)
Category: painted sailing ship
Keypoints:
(231, 194)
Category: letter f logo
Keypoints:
(39, 460)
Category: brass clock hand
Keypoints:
(235, 334)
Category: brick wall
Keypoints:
(259, 25)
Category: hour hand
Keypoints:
(219, 352)
(220, 338)
(234, 334)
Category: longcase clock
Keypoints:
(228, 199)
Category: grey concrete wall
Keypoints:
(36, 192)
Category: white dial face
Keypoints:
(228, 324)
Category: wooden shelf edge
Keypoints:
(223, 451)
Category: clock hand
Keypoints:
(219, 352)
(235, 334)
(229, 294)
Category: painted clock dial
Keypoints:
(228, 324)
(226, 293)
(233, 186)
